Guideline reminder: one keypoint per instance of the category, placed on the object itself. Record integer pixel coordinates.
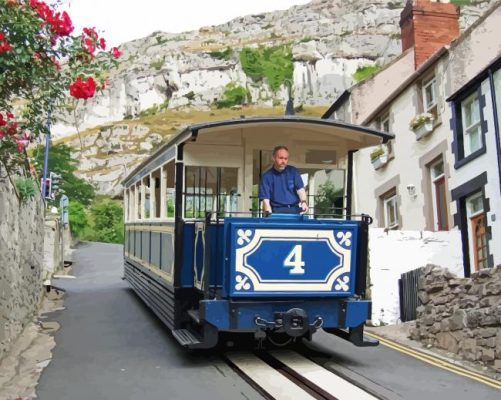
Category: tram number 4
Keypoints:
(295, 261)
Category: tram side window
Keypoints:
(210, 189)
(146, 206)
(168, 190)
(138, 201)
(155, 193)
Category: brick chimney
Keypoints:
(428, 25)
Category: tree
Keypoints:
(61, 162)
(108, 221)
(40, 63)
(77, 217)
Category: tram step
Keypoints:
(185, 337)
(194, 315)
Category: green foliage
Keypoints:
(377, 152)
(222, 55)
(77, 217)
(164, 105)
(190, 95)
(329, 200)
(38, 39)
(63, 163)
(157, 64)
(462, 2)
(153, 110)
(108, 221)
(27, 188)
(271, 63)
(307, 39)
(364, 72)
(233, 95)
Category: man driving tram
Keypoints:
(281, 189)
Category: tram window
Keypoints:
(147, 198)
(320, 157)
(325, 189)
(210, 189)
(155, 194)
(167, 191)
(138, 202)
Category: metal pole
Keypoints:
(46, 156)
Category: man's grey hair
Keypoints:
(281, 147)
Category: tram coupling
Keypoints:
(294, 323)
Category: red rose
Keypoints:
(83, 89)
(102, 43)
(115, 52)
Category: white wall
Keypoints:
(395, 252)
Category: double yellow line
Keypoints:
(437, 362)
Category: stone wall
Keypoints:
(21, 260)
(461, 315)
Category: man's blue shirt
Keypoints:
(281, 186)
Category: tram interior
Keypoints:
(223, 166)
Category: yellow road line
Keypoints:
(437, 362)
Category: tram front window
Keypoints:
(325, 188)
(210, 189)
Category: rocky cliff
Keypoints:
(329, 41)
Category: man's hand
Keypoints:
(304, 206)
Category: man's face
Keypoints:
(280, 159)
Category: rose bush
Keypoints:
(41, 63)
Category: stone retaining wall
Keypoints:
(461, 315)
(21, 260)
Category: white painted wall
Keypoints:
(395, 252)
(407, 151)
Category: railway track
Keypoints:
(286, 374)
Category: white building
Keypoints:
(442, 174)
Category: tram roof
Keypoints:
(363, 135)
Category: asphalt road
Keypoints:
(110, 346)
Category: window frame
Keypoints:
(458, 129)
(433, 108)
(434, 179)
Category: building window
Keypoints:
(429, 94)
(390, 209)
(439, 196)
(477, 230)
(469, 127)
(470, 112)
(384, 125)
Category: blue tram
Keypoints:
(201, 255)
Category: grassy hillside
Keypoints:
(169, 121)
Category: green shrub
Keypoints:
(157, 64)
(154, 109)
(378, 151)
(364, 72)
(461, 2)
(233, 95)
(190, 95)
(329, 200)
(27, 188)
(77, 218)
(107, 218)
(271, 63)
(222, 55)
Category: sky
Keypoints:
(120, 21)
